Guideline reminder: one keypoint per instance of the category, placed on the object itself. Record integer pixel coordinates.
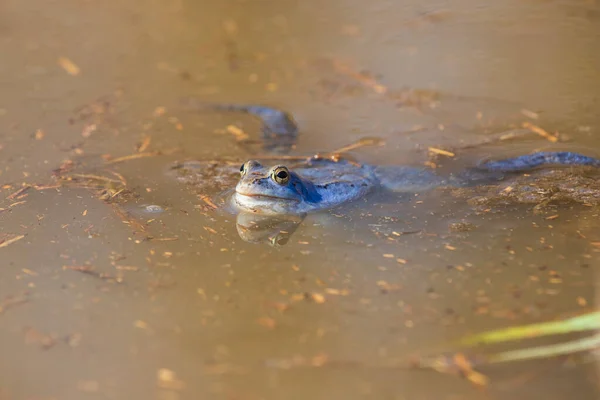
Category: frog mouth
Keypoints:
(265, 197)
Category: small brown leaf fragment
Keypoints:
(69, 66)
(317, 297)
(540, 131)
(18, 192)
(360, 77)
(33, 336)
(74, 339)
(337, 292)
(209, 229)
(39, 134)
(89, 270)
(175, 122)
(159, 111)
(298, 297)
(279, 306)
(131, 157)
(126, 268)
(4, 243)
(552, 217)
(29, 272)
(12, 301)
(267, 322)
(465, 368)
(208, 201)
(140, 324)
(87, 130)
(167, 379)
(388, 287)
(237, 132)
(319, 360)
(482, 310)
(530, 114)
(144, 145)
(581, 301)
(442, 152)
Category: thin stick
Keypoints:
(131, 157)
(11, 241)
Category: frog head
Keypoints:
(271, 190)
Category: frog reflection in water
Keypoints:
(324, 184)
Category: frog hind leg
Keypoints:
(279, 129)
(406, 179)
(534, 160)
(275, 122)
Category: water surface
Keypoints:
(92, 308)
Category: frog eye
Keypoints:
(243, 169)
(281, 175)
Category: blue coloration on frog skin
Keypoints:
(530, 161)
(319, 186)
(322, 184)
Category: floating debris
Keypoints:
(361, 77)
(89, 270)
(529, 113)
(442, 152)
(13, 301)
(69, 66)
(4, 243)
(167, 379)
(153, 209)
(144, 145)
(540, 131)
(34, 336)
(132, 157)
(19, 192)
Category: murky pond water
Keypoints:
(136, 287)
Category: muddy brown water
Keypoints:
(90, 309)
